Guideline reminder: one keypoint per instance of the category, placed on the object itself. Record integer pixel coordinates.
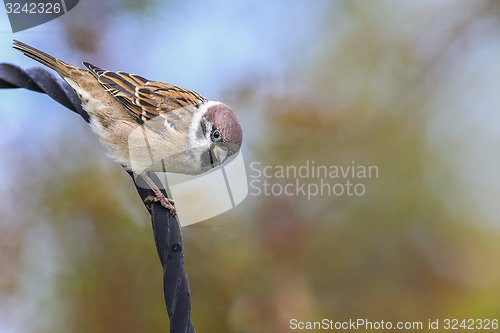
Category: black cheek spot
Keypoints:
(201, 131)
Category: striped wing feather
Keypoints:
(144, 99)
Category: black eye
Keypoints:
(216, 134)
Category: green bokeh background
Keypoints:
(410, 87)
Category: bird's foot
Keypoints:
(165, 202)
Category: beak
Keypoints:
(220, 154)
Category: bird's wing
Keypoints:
(144, 99)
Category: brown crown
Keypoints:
(223, 118)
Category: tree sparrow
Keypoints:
(148, 125)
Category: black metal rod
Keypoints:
(166, 228)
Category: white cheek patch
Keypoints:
(195, 123)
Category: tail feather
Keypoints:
(42, 57)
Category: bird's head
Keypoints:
(224, 131)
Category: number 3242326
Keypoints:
(33, 8)
(471, 324)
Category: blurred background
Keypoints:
(409, 87)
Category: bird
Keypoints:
(149, 126)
